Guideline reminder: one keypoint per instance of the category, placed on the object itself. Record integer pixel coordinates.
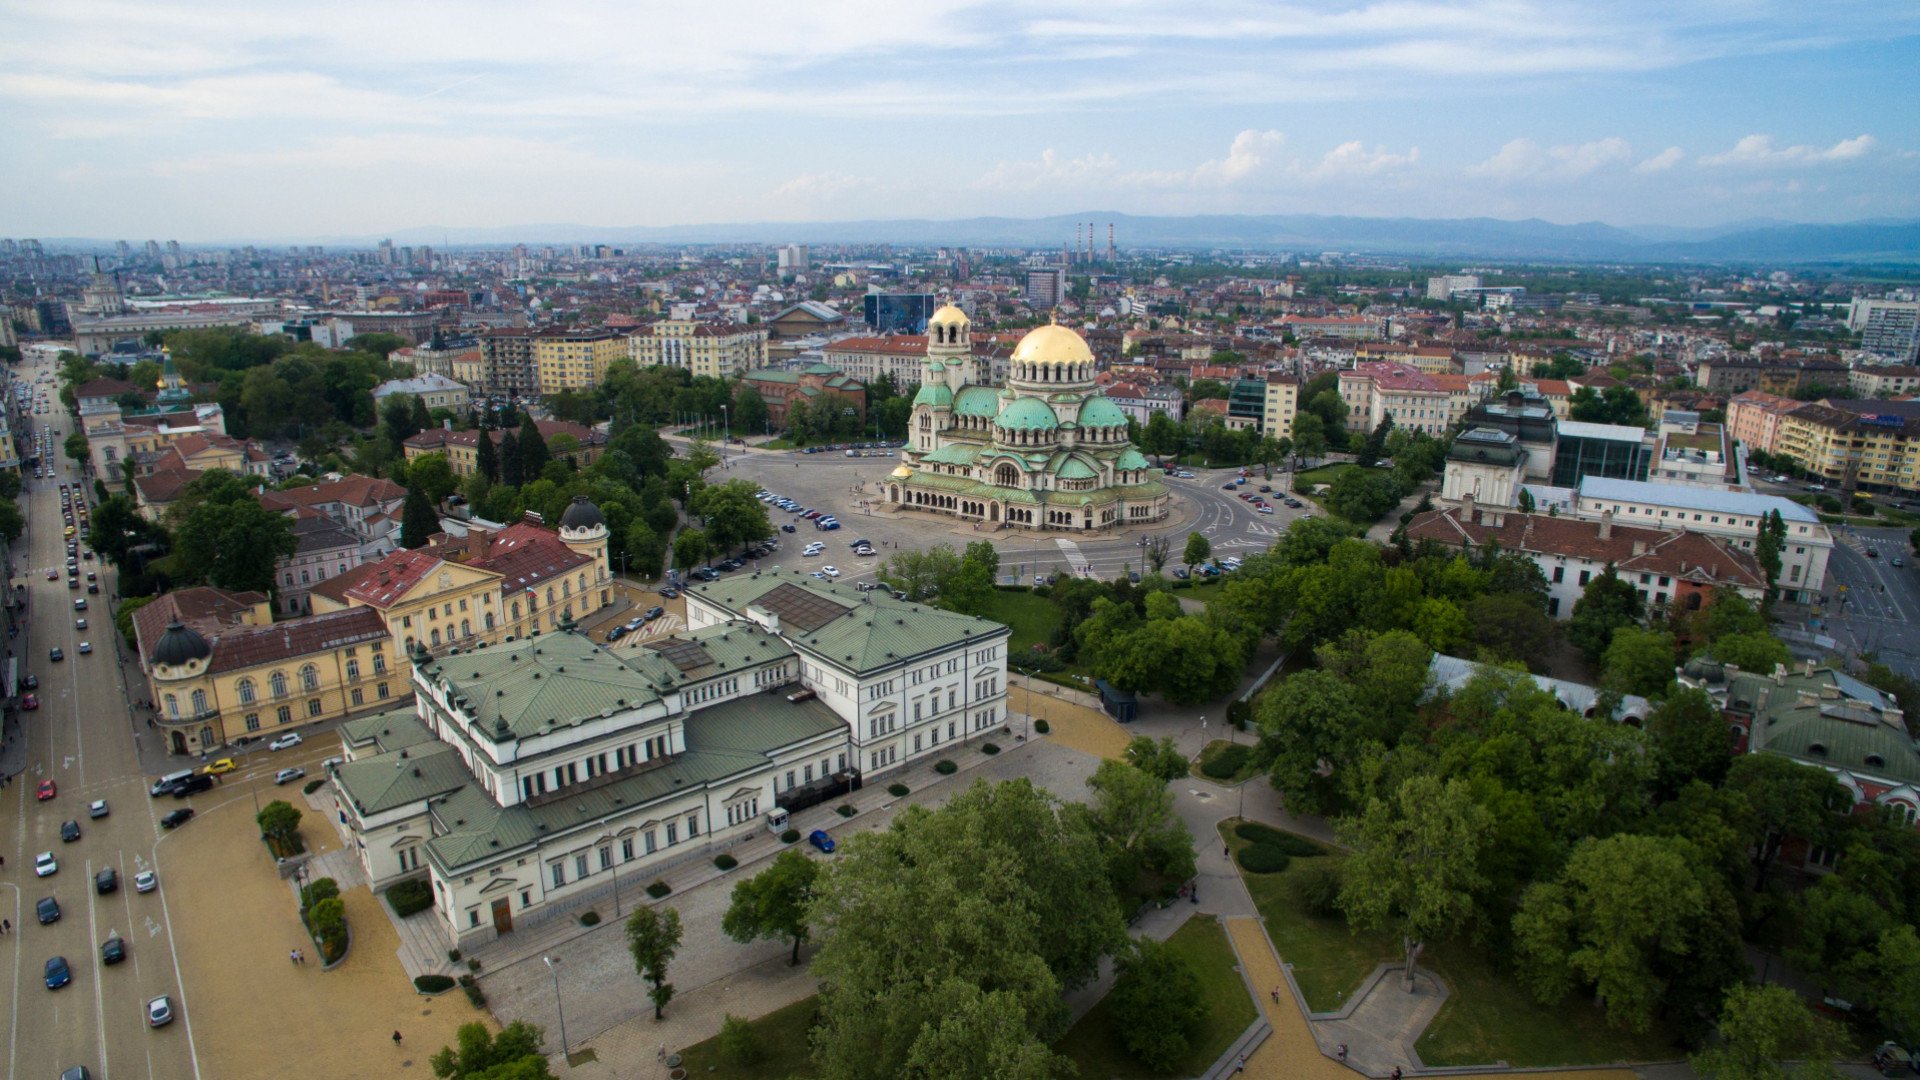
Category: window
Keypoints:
(309, 678)
(673, 833)
(559, 874)
(379, 663)
(279, 684)
(380, 691)
(648, 838)
(1585, 576)
(357, 696)
(313, 706)
(199, 702)
(284, 714)
(353, 669)
(253, 721)
(626, 849)
(580, 865)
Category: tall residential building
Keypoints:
(1046, 287)
(793, 259)
(720, 350)
(1887, 328)
(575, 359)
(1444, 286)
(506, 361)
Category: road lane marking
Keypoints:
(99, 997)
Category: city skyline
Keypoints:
(213, 122)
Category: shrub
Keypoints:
(790, 836)
(453, 955)
(329, 920)
(945, 767)
(1226, 762)
(1041, 590)
(725, 861)
(313, 786)
(433, 984)
(474, 995)
(1297, 846)
(1263, 859)
(898, 791)
(1181, 583)
(589, 917)
(410, 897)
(845, 810)
(989, 748)
(317, 890)
(1042, 726)
(1316, 887)
(659, 889)
(473, 963)
(1239, 712)
(739, 1043)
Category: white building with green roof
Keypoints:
(1045, 451)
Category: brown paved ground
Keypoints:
(256, 1014)
(1085, 729)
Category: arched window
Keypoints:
(466, 629)
(566, 589)
(434, 638)
(310, 678)
(489, 620)
(199, 702)
(1006, 475)
(549, 596)
(516, 610)
(173, 706)
(245, 689)
(279, 684)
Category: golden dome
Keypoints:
(1052, 345)
(948, 315)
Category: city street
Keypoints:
(850, 489)
(79, 738)
(1873, 603)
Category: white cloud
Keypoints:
(820, 185)
(1246, 154)
(1354, 159)
(1662, 161)
(1051, 170)
(1524, 159)
(1759, 151)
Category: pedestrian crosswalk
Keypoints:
(1076, 562)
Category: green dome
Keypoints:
(1026, 414)
(1130, 459)
(1099, 412)
(1075, 469)
(977, 401)
(934, 394)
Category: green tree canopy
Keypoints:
(1764, 1027)
(1415, 867)
(774, 902)
(653, 936)
(477, 1054)
(1156, 1003)
(1198, 549)
(1607, 605)
(1148, 849)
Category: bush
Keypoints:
(1297, 846)
(474, 995)
(845, 810)
(989, 748)
(791, 836)
(589, 917)
(313, 786)
(1263, 859)
(725, 861)
(1227, 762)
(317, 890)
(739, 1043)
(1042, 590)
(329, 920)
(1239, 712)
(410, 897)
(1042, 726)
(1316, 887)
(473, 963)
(945, 767)
(659, 889)
(1181, 583)
(453, 955)
(898, 791)
(433, 984)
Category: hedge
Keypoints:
(433, 984)
(846, 810)
(790, 836)
(1297, 846)
(589, 917)
(1263, 859)
(989, 748)
(1042, 726)
(898, 791)
(312, 786)
(659, 889)
(945, 767)
(1226, 762)
(725, 861)
(410, 897)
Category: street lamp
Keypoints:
(554, 967)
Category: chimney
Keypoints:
(1606, 525)
(1809, 669)
(1779, 674)
(1639, 547)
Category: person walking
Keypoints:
(396, 1038)
(293, 956)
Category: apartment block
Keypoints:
(575, 359)
(717, 350)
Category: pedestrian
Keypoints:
(293, 956)
(1343, 1051)
(1396, 1072)
(661, 1054)
(1240, 1066)
(1276, 995)
(396, 1038)
(1226, 852)
(6, 926)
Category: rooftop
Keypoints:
(857, 631)
(1709, 500)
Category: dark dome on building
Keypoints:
(180, 645)
(582, 515)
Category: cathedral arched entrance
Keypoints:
(993, 511)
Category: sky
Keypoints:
(218, 120)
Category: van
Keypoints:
(193, 785)
(166, 784)
(777, 821)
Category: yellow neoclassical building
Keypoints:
(422, 598)
(575, 359)
(219, 668)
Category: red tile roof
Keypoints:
(390, 579)
(1685, 554)
(202, 608)
(355, 490)
(526, 556)
(251, 646)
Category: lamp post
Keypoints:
(554, 967)
(616, 879)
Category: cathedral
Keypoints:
(1046, 451)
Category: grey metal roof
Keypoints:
(1452, 672)
(1694, 498)
(874, 632)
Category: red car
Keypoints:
(29, 703)
(45, 791)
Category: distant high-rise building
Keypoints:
(1887, 328)
(124, 250)
(793, 259)
(1046, 287)
(173, 249)
(898, 313)
(384, 254)
(1444, 286)
(153, 251)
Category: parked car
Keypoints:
(47, 910)
(177, 818)
(652, 614)
(287, 776)
(69, 831)
(286, 742)
(192, 785)
(106, 881)
(45, 865)
(57, 974)
(29, 703)
(819, 838)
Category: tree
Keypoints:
(12, 521)
(418, 522)
(948, 939)
(653, 936)
(1639, 918)
(1638, 662)
(749, 410)
(1511, 627)
(1768, 547)
(1158, 548)
(1758, 652)
(1155, 1003)
(533, 450)
(1762, 1025)
(396, 418)
(1148, 849)
(478, 1054)
(1162, 759)
(1310, 718)
(1688, 741)
(922, 575)
(734, 516)
(224, 538)
(1784, 799)
(773, 903)
(76, 446)
(1198, 549)
(434, 476)
(1415, 863)
(486, 456)
(1607, 604)
(689, 547)
(1309, 437)
(278, 821)
(512, 468)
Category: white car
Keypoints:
(159, 1011)
(144, 881)
(44, 865)
(97, 808)
(288, 775)
(830, 571)
(813, 552)
(286, 742)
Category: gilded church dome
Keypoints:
(1052, 345)
(948, 315)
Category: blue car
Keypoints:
(821, 840)
(58, 974)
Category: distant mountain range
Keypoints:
(1754, 241)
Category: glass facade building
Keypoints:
(898, 313)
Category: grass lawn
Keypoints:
(1095, 1046)
(783, 1045)
(782, 443)
(1325, 474)
(1214, 749)
(1033, 618)
(1489, 1016)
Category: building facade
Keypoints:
(1045, 451)
(433, 391)
(716, 350)
(1730, 515)
(575, 359)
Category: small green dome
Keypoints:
(934, 394)
(1075, 469)
(977, 401)
(1099, 412)
(1130, 459)
(1026, 414)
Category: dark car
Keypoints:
(192, 785)
(54, 654)
(113, 950)
(616, 633)
(33, 682)
(58, 973)
(654, 613)
(48, 909)
(106, 881)
(787, 528)
(819, 838)
(177, 818)
(669, 593)
(69, 831)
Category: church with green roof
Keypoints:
(1047, 451)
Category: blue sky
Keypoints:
(223, 119)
